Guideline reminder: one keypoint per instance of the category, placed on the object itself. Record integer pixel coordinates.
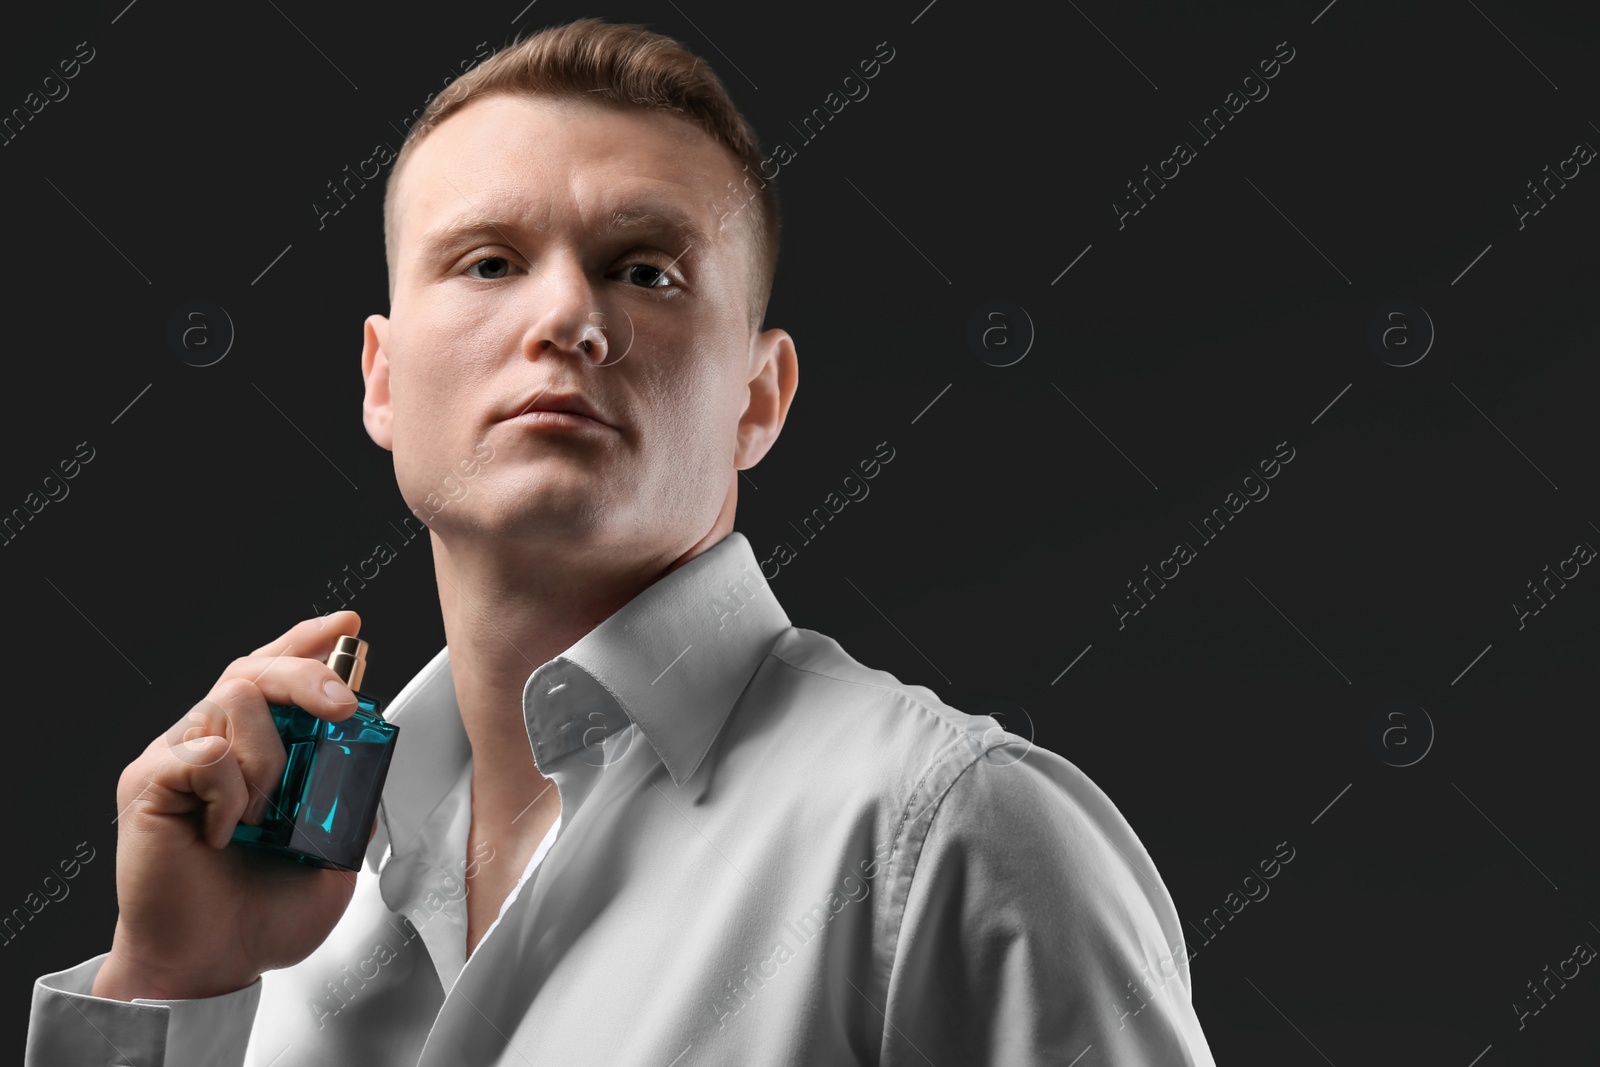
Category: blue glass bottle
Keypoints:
(322, 811)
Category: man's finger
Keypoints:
(313, 638)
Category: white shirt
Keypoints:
(767, 853)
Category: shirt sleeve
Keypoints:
(1037, 931)
(70, 1027)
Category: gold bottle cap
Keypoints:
(349, 660)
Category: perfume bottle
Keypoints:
(322, 812)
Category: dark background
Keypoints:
(1234, 713)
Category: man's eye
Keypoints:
(500, 263)
(646, 276)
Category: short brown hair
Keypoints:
(622, 65)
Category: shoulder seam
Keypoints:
(852, 681)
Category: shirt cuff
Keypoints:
(70, 1027)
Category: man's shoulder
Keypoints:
(865, 720)
(834, 675)
(862, 738)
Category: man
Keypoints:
(757, 850)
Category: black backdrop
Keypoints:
(1341, 670)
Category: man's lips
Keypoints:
(554, 419)
(564, 403)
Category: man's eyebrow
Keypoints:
(629, 218)
(671, 224)
(441, 238)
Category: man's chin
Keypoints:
(515, 528)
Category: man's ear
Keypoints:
(774, 376)
(377, 409)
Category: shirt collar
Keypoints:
(673, 661)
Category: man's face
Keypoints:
(605, 230)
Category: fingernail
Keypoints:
(338, 692)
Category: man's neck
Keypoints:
(509, 610)
(504, 617)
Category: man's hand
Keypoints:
(197, 918)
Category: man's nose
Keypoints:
(568, 317)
